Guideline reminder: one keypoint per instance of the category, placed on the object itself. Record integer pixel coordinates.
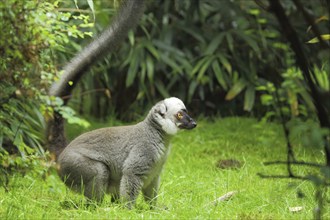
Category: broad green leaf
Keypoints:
(322, 78)
(224, 61)
(267, 99)
(132, 70)
(204, 67)
(152, 50)
(262, 21)
(230, 41)
(91, 6)
(236, 89)
(171, 63)
(131, 37)
(69, 114)
(185, 63)
(1, 138)
(214, 44)
(307, 98)
(161, 88)
(76, 3)
(201, 93)
(173, 81)
(143, 71)
(146, 32)
(193, 33)
(168, 47)
(316, 40)
(198, 66)
(249, 98)
(219, 74)
(261, 88)
(251, 42)
(255, 12)
(281, 46)
(140, 95)
(150, 69)
(192, 87)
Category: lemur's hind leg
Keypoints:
(86, 176)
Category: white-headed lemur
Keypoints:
(125, 160)
(122, 161)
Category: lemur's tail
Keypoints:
(126, 19)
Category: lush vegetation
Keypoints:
(32, 34)
(221, 57)
(194, 177)
(216, 55)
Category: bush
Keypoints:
(33, 34)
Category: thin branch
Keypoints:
(302, 163)
(302, 61)
(290, 153)
(286, 177)
(282, 177)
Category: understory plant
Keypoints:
(34, 34)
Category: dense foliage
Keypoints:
(218, 56)
(32, 33)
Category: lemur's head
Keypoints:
(171, 114)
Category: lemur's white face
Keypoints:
(172, 115)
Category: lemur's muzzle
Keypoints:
(186, 122)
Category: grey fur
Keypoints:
(124, 160)
(126, 19)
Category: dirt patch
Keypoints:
(228, 164)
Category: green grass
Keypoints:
(191, 181)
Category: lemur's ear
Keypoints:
(161, 108)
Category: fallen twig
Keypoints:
(225, 197)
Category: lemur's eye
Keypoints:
(179, 115)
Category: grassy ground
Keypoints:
(191, 181)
